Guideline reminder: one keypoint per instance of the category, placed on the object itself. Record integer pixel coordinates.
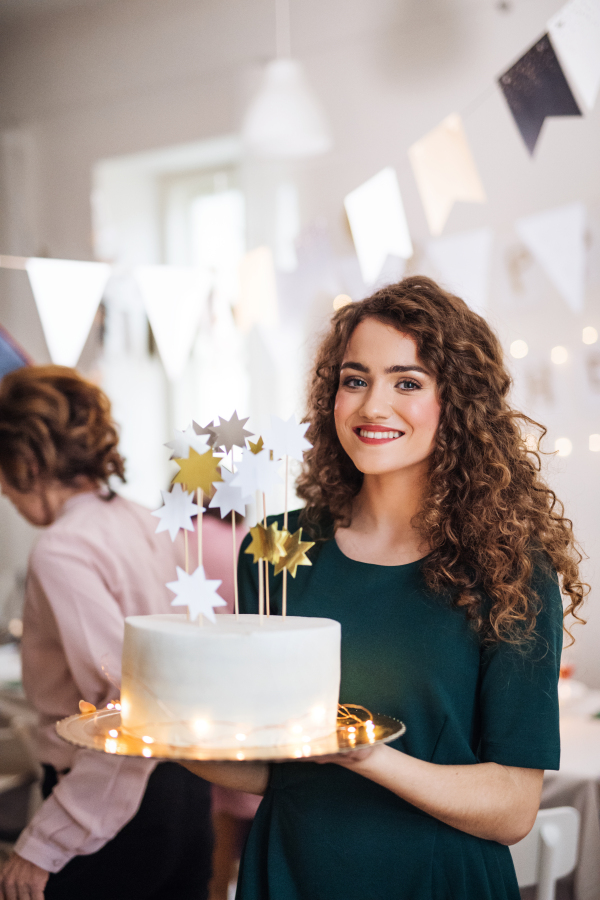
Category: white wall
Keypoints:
(112, 77)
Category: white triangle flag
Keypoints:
(556, 239)
(575, 35)
(67, 294)
(463, 263)
(445, 171)
(175, 299)
(378, 223)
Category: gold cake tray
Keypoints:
(101, 730)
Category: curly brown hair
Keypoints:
(488, 517)
(55, 425)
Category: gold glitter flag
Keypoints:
(198, 471)
(267, 543)
(295, 554)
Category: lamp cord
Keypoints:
(283, 40)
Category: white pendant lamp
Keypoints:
(285, 120)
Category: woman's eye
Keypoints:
(355, 382)
(407, 384)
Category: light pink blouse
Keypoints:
(96, 564)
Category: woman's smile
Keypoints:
(376, 434)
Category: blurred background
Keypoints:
(218, 157)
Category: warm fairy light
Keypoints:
(559, 355)
(595, 442)
(369, 725)
(110, 705)
(530, 441)
(110, 746)
(519, 349)
(240, 737)
(589, 335)
(563, 446)
(147, 752)
(240, 755)
(298, 754)
(200, 726)
(371, 736)
(117, 706)
(341, 300)
(147, 739)
(297, 729)
(113, 733)
(351, 729)
(306, 749)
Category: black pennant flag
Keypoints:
(535, 87)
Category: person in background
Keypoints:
(109, 826)
(233, 811)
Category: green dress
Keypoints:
(323, 832)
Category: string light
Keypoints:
(110, 746)
(595, 443)
(113, 733)
(559, 355)
(147, 752)
(239, 755)
(519, 349)
(589, 335)
(240, 737)
(147, 739)
(563, 446)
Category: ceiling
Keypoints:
(10, 9)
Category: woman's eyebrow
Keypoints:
(389, 371)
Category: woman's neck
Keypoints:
(382, 529)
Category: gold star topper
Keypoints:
(267, 543)
(198, 471)
(256, 447)
(295, 554)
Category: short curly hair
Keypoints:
(488, 516)
(56, 425)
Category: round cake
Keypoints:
(246, 682)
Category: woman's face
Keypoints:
(387, 409)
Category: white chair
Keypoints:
(549, 851)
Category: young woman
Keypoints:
(439, 549)
(110, 826)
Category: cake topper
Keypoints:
(267, 543)
(295, 554)
(286, 438)
(183, 440)
(256, 472)
(230, 433)
(228, 497)
(198, 593)
(208, 432)
(177, 511)
(258, 446)
(198, 471)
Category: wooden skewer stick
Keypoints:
(285, 525)
(187, 556)
(236, 599)
(267, 591)
(200, 502)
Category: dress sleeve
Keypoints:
(519, 689)
(100, 794)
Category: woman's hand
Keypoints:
(346, 759)
(22, 880)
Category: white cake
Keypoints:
(235, 683)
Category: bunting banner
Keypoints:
(556, 240)
(11, 355)
(175, 299)
(378, 223)
(575, 35)
(462, 262)
(67, 294)
(534, 88)
(445, 171)
(257, 303)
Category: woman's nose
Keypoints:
(375, 404)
